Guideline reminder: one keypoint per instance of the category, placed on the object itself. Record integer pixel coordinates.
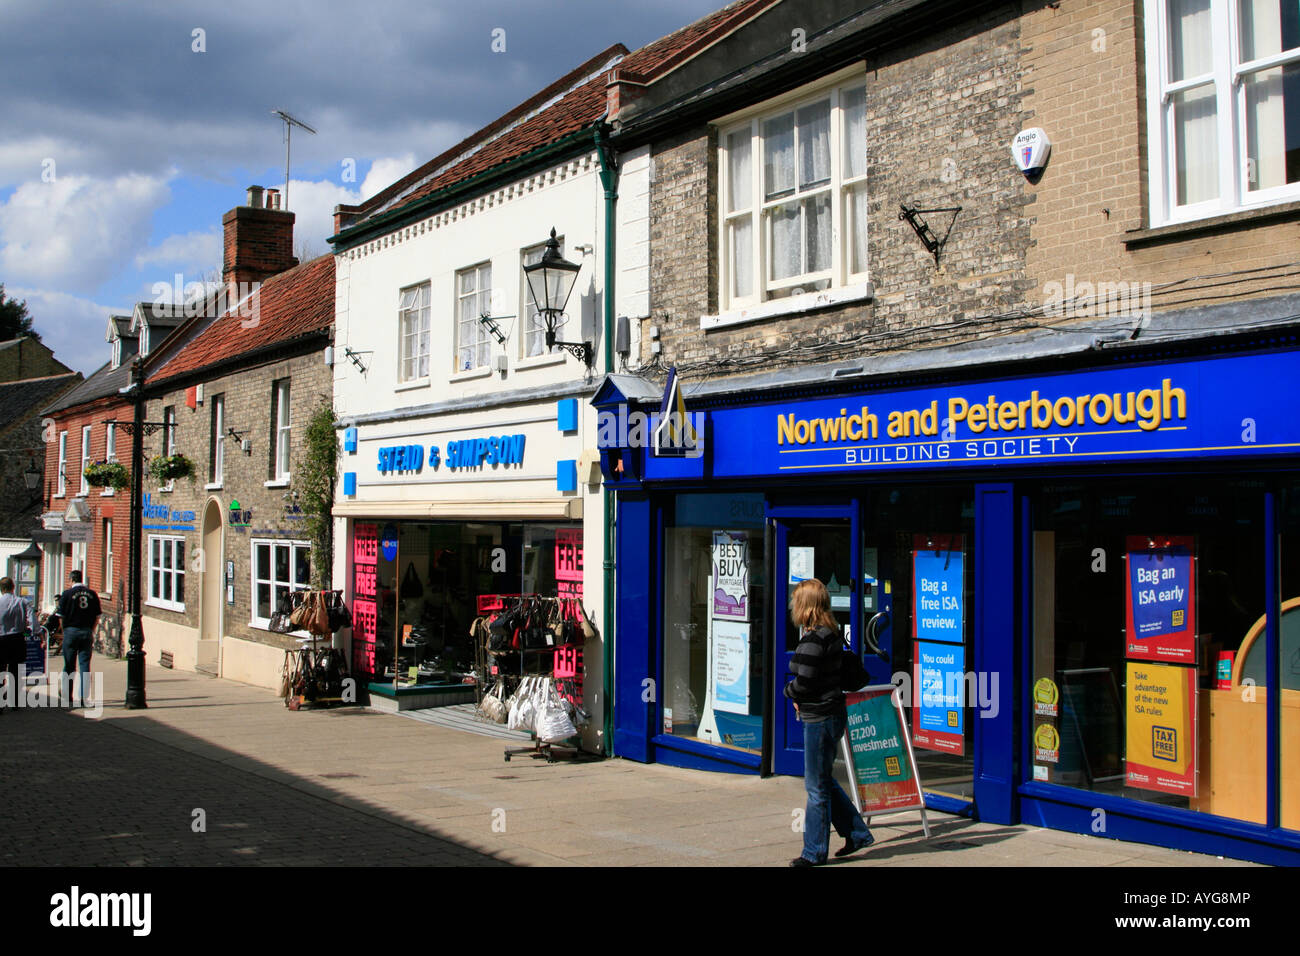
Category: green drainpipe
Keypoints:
(609, 180)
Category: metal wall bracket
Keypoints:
(933, 244)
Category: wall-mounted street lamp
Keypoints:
(551, 280)
(32, 475)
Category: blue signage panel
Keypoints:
(388, 542)
(1240, 405)
(937, 590)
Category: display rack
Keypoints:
(542, 667)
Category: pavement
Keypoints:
(219, 773)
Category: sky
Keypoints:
(130, 127)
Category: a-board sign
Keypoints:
(878, 752)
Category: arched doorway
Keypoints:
(210, 604)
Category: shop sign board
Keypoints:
(1161, 739)
(35, 658)
(1160, 599)
(937, 562)
(938, 717)
(882, 765)
(731, 667)
(730, 576)
(79, 532)
(1199, 408)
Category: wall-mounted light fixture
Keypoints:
(551, 280)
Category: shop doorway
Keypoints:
(210, 570)
(817, 542)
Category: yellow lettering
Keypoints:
(1148, 403)
(1007, 416)
(896, 427)
(1170, 393)
(975, 418)
(784, 428)
(1103, 416)
(854, 432)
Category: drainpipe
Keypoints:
(609, 180)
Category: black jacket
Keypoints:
(823, 669)
(79, 606)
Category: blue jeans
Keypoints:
(77, 644)
(827, 802)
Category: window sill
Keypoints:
(470, 374)
(277, 483)
(861, 292)
(106, 493)
(541, 361)
(177, 608)
(1181, 231)
(212, 486)
(413, 384)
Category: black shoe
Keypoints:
(851, 846)
(803, 861)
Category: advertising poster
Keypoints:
(1160, 599)
(801, 564)
(937, 613)
(365, 555)
(882, 766)
(568, 562)
(35, 659)
(1046, 697)
(730, 576)
(1161, 745)
(937, 714)
(731, 667)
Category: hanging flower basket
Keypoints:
(166, 468)
(107, 474)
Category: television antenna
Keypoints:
(289, 123)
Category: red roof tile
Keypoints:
(288, 305)
(581, 107)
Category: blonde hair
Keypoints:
(810, 606)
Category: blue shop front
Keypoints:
(1083, 571)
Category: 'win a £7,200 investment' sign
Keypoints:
(878, 753)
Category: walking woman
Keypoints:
(822, 667)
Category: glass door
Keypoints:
(810, 543)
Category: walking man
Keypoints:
(16, 622)
(79, 608)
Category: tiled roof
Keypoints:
(500, 140)
(18, 399)
(288, 305)
(103, 383)
(583, 106)
(667, 52)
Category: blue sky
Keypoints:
(130, 128)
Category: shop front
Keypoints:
(453, 519)
(1077, 573)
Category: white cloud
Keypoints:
(72, 326)
(384, 172)
(313, 201)
(76, 232)
(195, 252)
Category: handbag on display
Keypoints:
(300, 615)
(319, 623)
(493, 707)
(280, 619)
(411, 586)
(552, 722)
(339, 615)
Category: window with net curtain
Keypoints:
(1225, 104)
(473, 299)
(413, 326)
(789, 175)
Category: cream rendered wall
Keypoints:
(251, 663)
(496, 228)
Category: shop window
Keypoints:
(1146, 598)
(918, 593)
(713, 680)
(1289, 702)
(279, 567)
(167, 572)
(793, 198)
(1223, 79)
(413, 332)
(473, 299)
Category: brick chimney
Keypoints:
(258, 241)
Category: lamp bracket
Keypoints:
(933, 244)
